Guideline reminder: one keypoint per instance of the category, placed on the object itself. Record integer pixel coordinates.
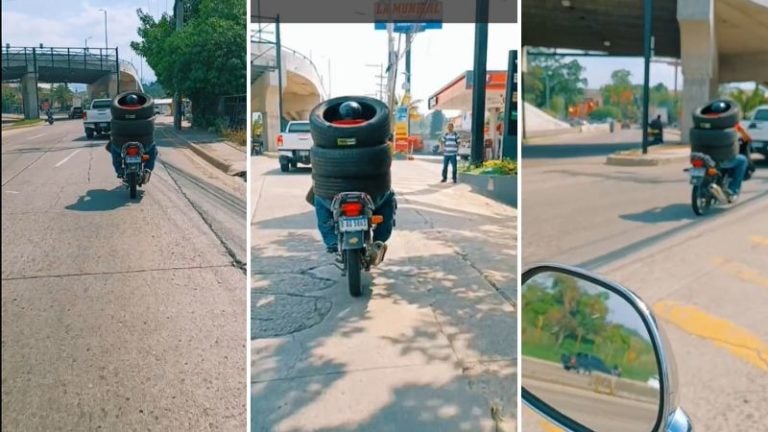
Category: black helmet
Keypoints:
(719, 107)
(350, 110)
(132, 99)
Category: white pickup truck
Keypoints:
(98, 118)
(757, 128)
(293, 145)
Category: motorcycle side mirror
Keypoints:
(593, 356)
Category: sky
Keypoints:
(32, 22)
(438, 56)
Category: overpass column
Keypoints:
(29, 93)
(699, 55)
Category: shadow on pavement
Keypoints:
(622, 176)
(670, 213)
(291, 378)
(104, 200)
(53, 149)
(293, 171)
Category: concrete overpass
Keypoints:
(718, 41)
(302, 87)
(101, 69)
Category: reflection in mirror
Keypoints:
(587, 354)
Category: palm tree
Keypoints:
(749, 100)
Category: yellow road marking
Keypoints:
(741, 271)
(725, 334)
(760, 240)
(549, 427)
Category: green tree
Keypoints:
(554, 77)
(62, 95)
(11, 99)
(155, 90)
(436, 123)
(749, 100)
(204, 60)
(605, 112)
(622, 94)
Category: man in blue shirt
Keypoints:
(450, 142)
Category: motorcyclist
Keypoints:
(384, 205)
(739, 163)
(132, 101)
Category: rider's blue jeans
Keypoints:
(385, 206)
(117, 158)
(739, 166)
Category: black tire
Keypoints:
(354, 271)
(285, 167)
(133, 181)
(728, 119)
(329, 187)
(372, 133)
(89, 133)
(701, 200)
(720, 144)
(145, 110)
(351, 163)
(119, 140)
(132, 128)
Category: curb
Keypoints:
(221, 165)
(13, 127)
(624, 160)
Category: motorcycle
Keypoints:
(710, 179)
(354, 222)
(50, 118)
(639, 392)
(133, 160)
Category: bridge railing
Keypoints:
(69, 57)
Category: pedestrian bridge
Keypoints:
(302, 87)
(99, 68)
(718, 41)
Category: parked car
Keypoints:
(293, 145)
(75, 112)
(98, 119)
(757, 128)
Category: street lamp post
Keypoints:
(86, 42)
(106, 39)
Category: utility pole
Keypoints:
(408, 37)
(646, 79)
(478, 82)
(380, 77)
(279, 60)
(179, 13)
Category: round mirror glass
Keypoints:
(587, 354)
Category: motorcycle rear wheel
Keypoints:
(354, 270)
(133, 180)
(701, 200)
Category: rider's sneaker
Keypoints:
(120, 175)
(147, 175)
(332, 249)
(733, 198)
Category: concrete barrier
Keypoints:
(501, 188)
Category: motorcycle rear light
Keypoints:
(279, 140)
(352, 209)
(145, 158)
(85, 115)
(376, 220)
(712, 171)
(132, 151)
(697, 163)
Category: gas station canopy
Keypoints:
(457, 95)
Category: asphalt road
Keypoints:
(705, 278)
(119, 314)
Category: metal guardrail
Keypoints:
(69, 57)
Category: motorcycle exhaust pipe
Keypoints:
(718, 192)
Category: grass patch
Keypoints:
(25, 123)
(492, 167)
(236, 136)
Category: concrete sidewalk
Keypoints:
(222, 154)
(431, 346)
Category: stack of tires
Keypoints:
(350, 158)
(714, 134)
(132, 122)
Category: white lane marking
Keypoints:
(67, 158)
(37, 136)
(13, 192)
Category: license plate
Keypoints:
(696, 175)
(759, 145)
(353, 224)
(304, 153)
(132, 159)
(103, 124)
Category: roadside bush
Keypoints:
(236, 136)
(606, 112)
(493, 167)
